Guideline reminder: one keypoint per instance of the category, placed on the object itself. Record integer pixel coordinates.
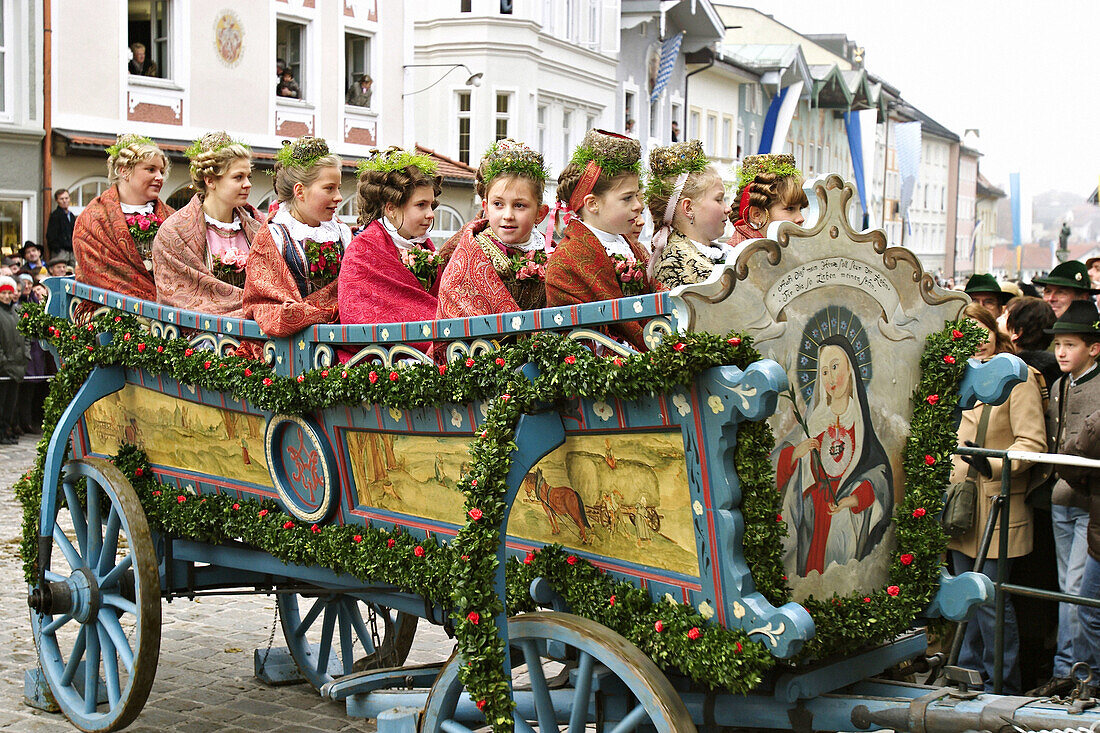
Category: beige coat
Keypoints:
(1015, 425)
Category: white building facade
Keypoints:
(215, 69)
(547, 75)
(23, 207)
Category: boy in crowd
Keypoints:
(1075, 396)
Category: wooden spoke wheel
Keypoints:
(97, 622)
(331, 634)
(569, 674)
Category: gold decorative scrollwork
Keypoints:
(587, 334)
(460, 349)
(655, 331)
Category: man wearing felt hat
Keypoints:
(32, 257)
(984, 290)
(1066, 283)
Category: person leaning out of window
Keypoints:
(140, 63)
(359, 92)
(288, 87)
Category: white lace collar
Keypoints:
(332, 230)
(720, 253)
(534, 243)
(400, 241)
(233, 226)
(614, 244)
(137, 208)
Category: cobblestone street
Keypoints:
(204, 680)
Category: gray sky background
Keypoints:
(1025, 73)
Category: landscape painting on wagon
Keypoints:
(847, 318)
(622, 496)
(180, 434)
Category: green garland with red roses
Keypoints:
(460, 574)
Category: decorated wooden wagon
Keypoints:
(603, 535)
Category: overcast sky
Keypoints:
(1026, 73)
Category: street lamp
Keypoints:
(473, 80)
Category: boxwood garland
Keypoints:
(459, 574)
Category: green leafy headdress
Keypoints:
(603, 153)
(125, 140)
(303, 152)
(393, 159)
(211, 142)
(781, 165)
(668, 163)
(509, 156)
(614, 153)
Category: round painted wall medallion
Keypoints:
(228, 37)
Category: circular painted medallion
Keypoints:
(302, 467)
(228, 37)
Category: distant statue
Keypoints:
(1063, 237)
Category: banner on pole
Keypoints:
(907, 143)
(1014, 198)
(670, 49)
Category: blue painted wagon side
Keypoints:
(706, 417)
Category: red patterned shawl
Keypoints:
(375, 285)
(470, 285)
(741, 232)
(271, 296)
(106, 255)
(179, 262)
(448, 247)
(580, 271)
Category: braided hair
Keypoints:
(214, 154)
(380, 187)
(130, 150)
(288, 176)
(695, 187)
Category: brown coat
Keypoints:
(1086, 481)
(1017, 424)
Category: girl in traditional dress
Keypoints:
(769, 189)
(499, 263)
(391, 271)
(836, 478)
(595, 260)
(199, 254)
(113, 236)
(687, 200)
(290, 279)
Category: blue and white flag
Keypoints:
(778, 120)
(670, 49)
(861, 142)
(908, 146)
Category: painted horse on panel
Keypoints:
(558, 502)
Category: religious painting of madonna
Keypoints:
(831, 468)
(846, 316)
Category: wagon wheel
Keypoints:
(587, 674)
(341, 633)
(97, 625)
(654, 519)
